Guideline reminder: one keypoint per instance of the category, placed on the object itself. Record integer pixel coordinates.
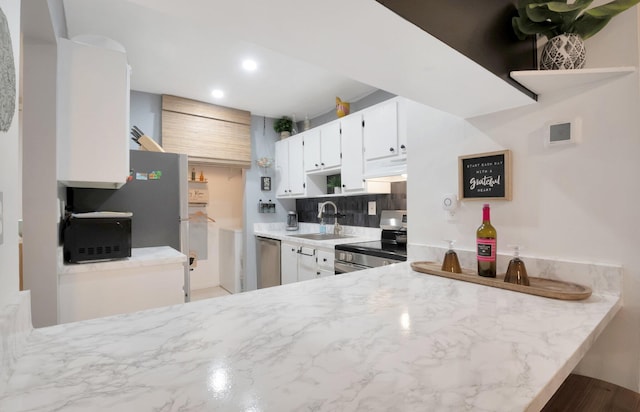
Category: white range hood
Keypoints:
(390, 171)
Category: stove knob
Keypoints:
(341, 256)
(349, 257)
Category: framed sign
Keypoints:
(485, 176)
(265, 183)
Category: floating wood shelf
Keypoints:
(547, 288)
(547, 81)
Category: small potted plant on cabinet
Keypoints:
(334, 184)
(284, 125)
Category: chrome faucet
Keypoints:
(337, 229)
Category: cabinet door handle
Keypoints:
(324, 259)
(316, 165)
(403, 147)
(344, 185)
(318, 273)
(322, 164)
(391, 149)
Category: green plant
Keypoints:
(284, 124)
(552, 18)
(334, 181)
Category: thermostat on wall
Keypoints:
(563, 133)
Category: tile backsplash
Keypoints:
(354, 208)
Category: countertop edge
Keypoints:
(140, 257)
(286, 237)
(559, 377)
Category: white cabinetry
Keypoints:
(322, 148)
(151, 278)
(306, 263)
(352, 155)
(324, 259)
(387, 127)
(92, 115)
(299, 262)
(290, 176)
(381, 131)
(353, 159)
(288, 262)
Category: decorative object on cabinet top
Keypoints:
(342, 108)
(284, 126)
(566, 26)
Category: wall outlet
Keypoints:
(1, 220)
(372, 208)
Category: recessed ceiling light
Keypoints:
(249, 65)
(217, 93)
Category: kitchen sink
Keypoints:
(321, 236)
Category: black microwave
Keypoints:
(89, 237)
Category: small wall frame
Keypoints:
(265, 183)
(485, 176)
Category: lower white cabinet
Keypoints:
(325, 262)
(93, 290)
(299, 262)
(306, 263)
(288, 262)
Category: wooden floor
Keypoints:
(199, 294)
(583, 394)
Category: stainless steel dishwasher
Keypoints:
(268, 262)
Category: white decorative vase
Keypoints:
(284, 135)
(337, 190)
(563, 52)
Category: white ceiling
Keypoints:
(171, 54)
(308, 52)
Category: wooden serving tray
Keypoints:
(547, 288)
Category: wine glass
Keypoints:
(516, 271)
(450, 262)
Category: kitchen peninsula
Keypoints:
(379, 339)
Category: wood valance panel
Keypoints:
(205, 132)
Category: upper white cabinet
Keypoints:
(381, 131)
(322, 148)
(92, 115)
(353, 181)
(352, 155)
(290, 176)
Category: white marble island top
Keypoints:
(381, 339)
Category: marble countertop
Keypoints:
(140, 257)
(379, 339)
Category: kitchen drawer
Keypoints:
(325, 273)
(325, 259)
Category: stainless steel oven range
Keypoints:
(391, 248)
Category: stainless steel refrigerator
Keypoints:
(157, 195)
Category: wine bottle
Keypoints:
(486, 240)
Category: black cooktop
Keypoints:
(376, 248)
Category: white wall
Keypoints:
(226, 189)
(9, 172)
(146, 114)
(571, 203)
(263, 140)
(40, 210)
